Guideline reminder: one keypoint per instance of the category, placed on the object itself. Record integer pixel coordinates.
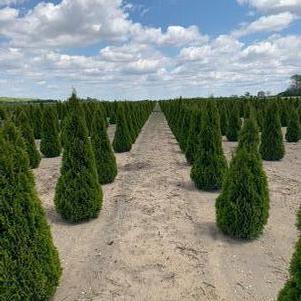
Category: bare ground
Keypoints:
(156, 237)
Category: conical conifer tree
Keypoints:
(242, 207)
(104, 156)
(78, 195)
(234, 123)
(194, 129)
(37, 121)
(272, 147)
(223, 119)
(293, 133)
(29, 262)
(122, 139)
(292, 289)
(28, 136)
(210, 164)
(50, 142)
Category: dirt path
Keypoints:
(156, 238)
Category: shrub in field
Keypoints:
(223, 119)
(37, 116)
(293, 133)
(50, 142)
(105, 159)
(122, 139)
(292, 289)
(209, 165)
(185, 125)
(234, 124)
(242, 207)
(78, 195)
(194, 129)
(272, 147)
(28, 136)
(29, 262)
(249, 135)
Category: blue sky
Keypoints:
(134, 49)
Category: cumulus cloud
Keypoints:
(83, 22)
(134, 60)
(272, 23)
(11, 2)
(272, 6)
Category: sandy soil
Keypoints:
(156, 237)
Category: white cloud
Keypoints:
(272, 6)
(8, 15)
(134, 61)
(272, 23)
(11, 2)
(83, 22)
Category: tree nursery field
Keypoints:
(183, 199)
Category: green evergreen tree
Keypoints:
(28, 136)
(272, 147)
(50, 142)
(249, 134)
(29, 262)
(234, 123)
(194, 129)
(223, 119)
(210, 164)
(292, 289)
(37, 121)
(293, 133)
(243, 206)
(104, 156)
(122, 139)
(78, 195)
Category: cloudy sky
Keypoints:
(137, 49)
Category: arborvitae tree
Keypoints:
(122, 139)
(223, 119)
(50, 142)
(185, 125)
(292, 289)
(194, 129)
(272, 147)
(293, 133)
(113, 112)
(37, 121)
(78, 195)
(104, 156)
(29, 262)
(234, 123)
(28, 136)
(249, 134)
(242, 207)
(210, 164)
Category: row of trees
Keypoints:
(243, 205)
(29, 262)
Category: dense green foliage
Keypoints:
(194, 129)
(293, 133)
(272, 147)
(292, 289)
(122, 140)
(234, 124)
(29, 263)
(78, 194)
(28, 136)
(131, 117)
(50, 142)
(242, 207)
(105, 159)
(210, 164)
